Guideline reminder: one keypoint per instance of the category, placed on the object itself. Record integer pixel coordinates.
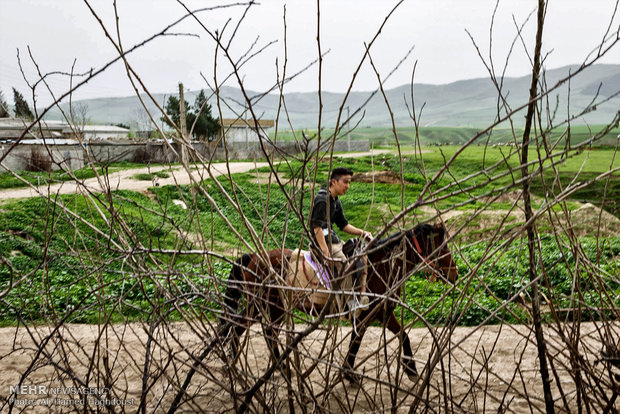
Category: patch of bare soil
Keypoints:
(269, 179)
(494, 367)
(385, 177)
(505, 197)
(589, 219)
(472, 227)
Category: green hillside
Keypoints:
(467, 103)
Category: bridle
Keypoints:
(432, 264)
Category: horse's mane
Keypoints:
(424, 229)
(390, 242)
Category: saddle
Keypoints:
(312, 280)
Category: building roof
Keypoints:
(104, 128)
(20, 124)
(245, 123)
(14, 127)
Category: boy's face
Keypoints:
(341, 185)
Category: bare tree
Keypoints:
(79, 117)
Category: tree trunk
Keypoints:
(530, 227)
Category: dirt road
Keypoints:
(124, 180)
(495, 367)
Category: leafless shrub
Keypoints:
(174, 351)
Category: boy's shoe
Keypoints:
(355, 307)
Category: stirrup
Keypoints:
(355, 307)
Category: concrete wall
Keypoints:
(241, 135)
(36, 157)
(252, 149)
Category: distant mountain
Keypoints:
(469, 103)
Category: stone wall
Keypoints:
(38, 156)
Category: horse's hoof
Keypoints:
(412, 374)
(410, 369)
(355, 380)
(351, 376)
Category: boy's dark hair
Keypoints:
(340, 171)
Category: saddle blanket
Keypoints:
(312, 279)
(320, 270)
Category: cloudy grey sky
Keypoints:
(62, 33)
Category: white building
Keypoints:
(12, 128)
(241, 131)
(96, 132)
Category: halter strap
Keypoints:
(417, 244)
(424, 258)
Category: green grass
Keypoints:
(583, 166)
(81, 273)
(151, 176)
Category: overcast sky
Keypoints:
(61, 32)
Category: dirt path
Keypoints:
(480, 368)
(124, 180)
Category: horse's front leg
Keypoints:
(354, 347)
(407, 360)
(272, 332)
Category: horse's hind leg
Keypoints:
(407, 360)
(238, 325)
(233, 322)
(235, 339)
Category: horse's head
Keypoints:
(430, 244)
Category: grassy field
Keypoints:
(55, 265)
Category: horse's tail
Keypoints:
(231, 304)
(233, 286)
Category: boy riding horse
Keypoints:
(327, 210)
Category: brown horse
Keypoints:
(390, 262)
(388, 266)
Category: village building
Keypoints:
(240, 131)
(51, 145)
(12, 129)
(94, 132)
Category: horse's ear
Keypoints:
(439, 228)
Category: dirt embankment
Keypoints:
(586, 220)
